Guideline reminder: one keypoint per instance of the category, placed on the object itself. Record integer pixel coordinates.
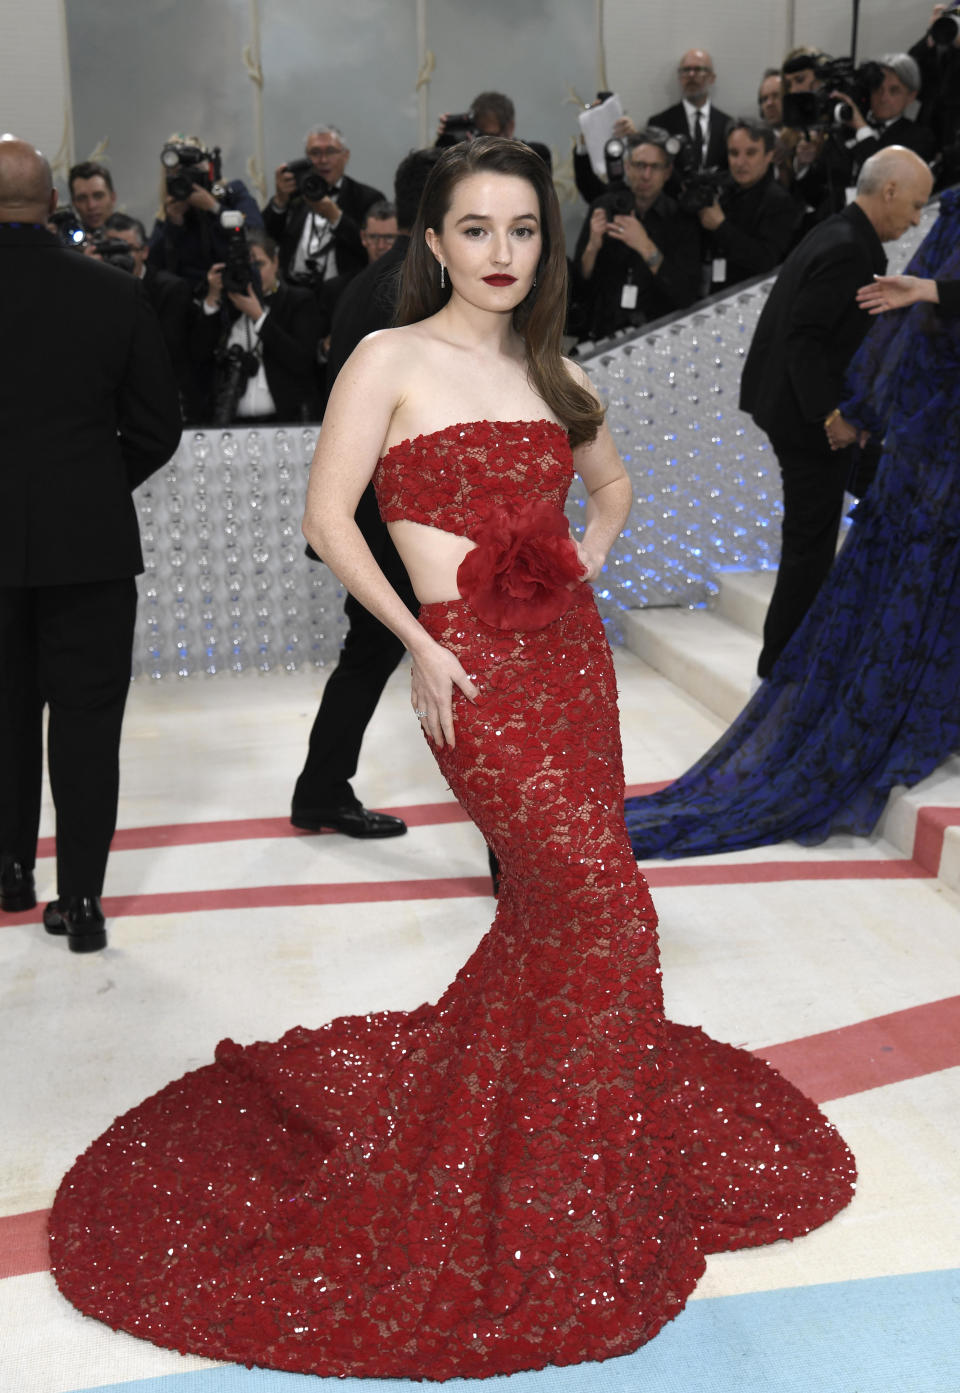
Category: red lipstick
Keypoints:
(499, 280)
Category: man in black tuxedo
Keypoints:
(88, 409)
(792, 383)
(637, 257)
(695, 116)
(319, 238)
(275, 330)
(886, 122)
(323, 796)
(753, 221)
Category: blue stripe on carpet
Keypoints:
(879, 1335)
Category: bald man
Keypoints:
(793, 377)
(694, 115)
(88, 409)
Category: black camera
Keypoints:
(310, 184)
(236, 367)
(460, 126)
(820, 110)
(240, 274)
(620, 198)
(116, 252)
(188, 168)
(70, 230)
(944, 30)
(698, 188)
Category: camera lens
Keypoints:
(169, 157)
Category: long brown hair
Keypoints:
(539, 318)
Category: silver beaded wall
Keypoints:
(705, 481)
(227, 587)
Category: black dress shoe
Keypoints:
(353, 820)
(81, 919)
(17, 890)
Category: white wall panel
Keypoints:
(35, 76)
(644, 39)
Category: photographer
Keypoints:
(937, 56)
(637, 256)
(753, 222)
(92, 194)
(170, 296)
(886, 123)
(187, 239)
(491, 113)
(316, 212)
(822, 94)
(260, 337)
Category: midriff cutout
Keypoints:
(431, 558)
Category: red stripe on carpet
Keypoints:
(769, 872)
(285, 896)
(834, 1064)
(870, 1054)
(23, 1243)
(932, 823)
(266, 828)
(460, 887)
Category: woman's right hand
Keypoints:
(436, 671)
(895, 293)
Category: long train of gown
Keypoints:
(864, 696)
(529, 1171)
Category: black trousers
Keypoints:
(67, 647)
(813, 487)
(369, 656)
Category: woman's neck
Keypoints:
(466, 326)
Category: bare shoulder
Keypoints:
(381, 349)
(581, 377)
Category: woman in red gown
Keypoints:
(531, 1170)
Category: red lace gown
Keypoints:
(528, 1172)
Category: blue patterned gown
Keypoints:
(866, 695)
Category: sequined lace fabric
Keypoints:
(452, 478)
(529, 1171)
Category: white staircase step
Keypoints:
(698, 650)
(919, 822)
(745, 597)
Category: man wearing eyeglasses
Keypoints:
(695, 116)
(319, 238)
(638, 256)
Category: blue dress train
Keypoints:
(865, 695)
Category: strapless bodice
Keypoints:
(453, 478)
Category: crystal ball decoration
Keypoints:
(227, 586)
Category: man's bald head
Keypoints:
(26, 184)
(892, 189)
(696, 74)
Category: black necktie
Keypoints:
(698, 140)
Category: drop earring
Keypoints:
(442, 280)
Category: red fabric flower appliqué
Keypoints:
(519, 575)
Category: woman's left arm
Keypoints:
(610, 494)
